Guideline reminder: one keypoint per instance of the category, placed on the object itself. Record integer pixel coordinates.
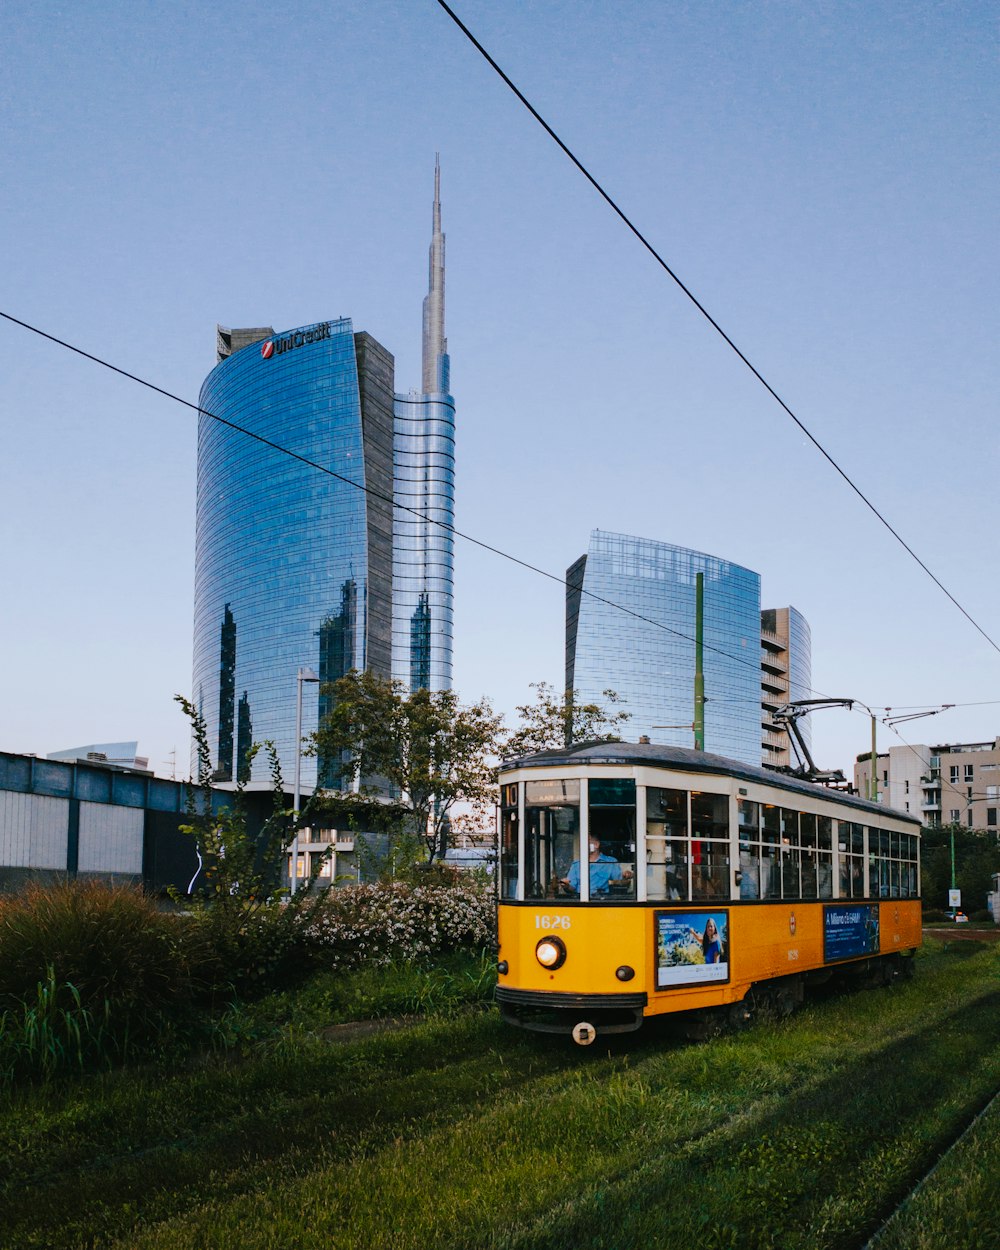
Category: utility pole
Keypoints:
(699, 662)
(873, 784)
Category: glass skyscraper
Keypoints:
(647, 653)
(296, 567)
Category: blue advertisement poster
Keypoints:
(692, 947)
(850, 930)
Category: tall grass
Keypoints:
(110, 943)
(89, 974)
(54, 1032)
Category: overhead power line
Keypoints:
(620, 212)
(368, 490)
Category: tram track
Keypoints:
(877, 1238)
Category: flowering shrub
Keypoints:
(377, 924)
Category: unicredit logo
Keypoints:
(288, 342)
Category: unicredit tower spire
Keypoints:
(435, 355)
(423, 543)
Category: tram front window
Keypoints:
(612, 839)
(552, 837)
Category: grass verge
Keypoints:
(957, 1204)
(462, 1133)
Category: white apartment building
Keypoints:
(954, 783)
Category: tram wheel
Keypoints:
(740, 1016)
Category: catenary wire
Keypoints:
(416, 513)
(944, 784)
(369, 490)
(413, 511)
(402, 507)
(708, 316)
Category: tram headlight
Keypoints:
(551, 952)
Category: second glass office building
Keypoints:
(646, 654)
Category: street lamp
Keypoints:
(303, 675)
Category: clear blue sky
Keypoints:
(822, 175)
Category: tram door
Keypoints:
(551, 847)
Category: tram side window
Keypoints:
(902, 864)
(709, 845)
(552, 837)
(879, 864)
(850, 844)
(667, 844)
(809, 866)
(749, 824)
(824, 856)
(508, 842)
(791, 854)
(611, 819)
(770, 854)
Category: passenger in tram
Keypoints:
(603, 870)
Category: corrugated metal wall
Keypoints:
(110, 838)
(34, 831)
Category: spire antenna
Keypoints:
(435, 345)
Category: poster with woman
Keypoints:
(692, 947)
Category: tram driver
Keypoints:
(604, 869)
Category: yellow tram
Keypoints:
(638, 880)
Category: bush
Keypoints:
(109, 942)
(379, 924)
(89, 974)
(258, 947)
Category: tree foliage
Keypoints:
(425, 747)
(238, 869)
(977, 857)
(553, 721)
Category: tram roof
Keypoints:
(686, 759)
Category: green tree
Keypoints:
(253, 933)
(425, 747)
(977, 857)
(554, 721)
(238, 869)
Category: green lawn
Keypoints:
(463, 1133)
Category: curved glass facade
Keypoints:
(423, 549)
(800, 665)
(650, 663)
(292, 566)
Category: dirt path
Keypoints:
(962, 932)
